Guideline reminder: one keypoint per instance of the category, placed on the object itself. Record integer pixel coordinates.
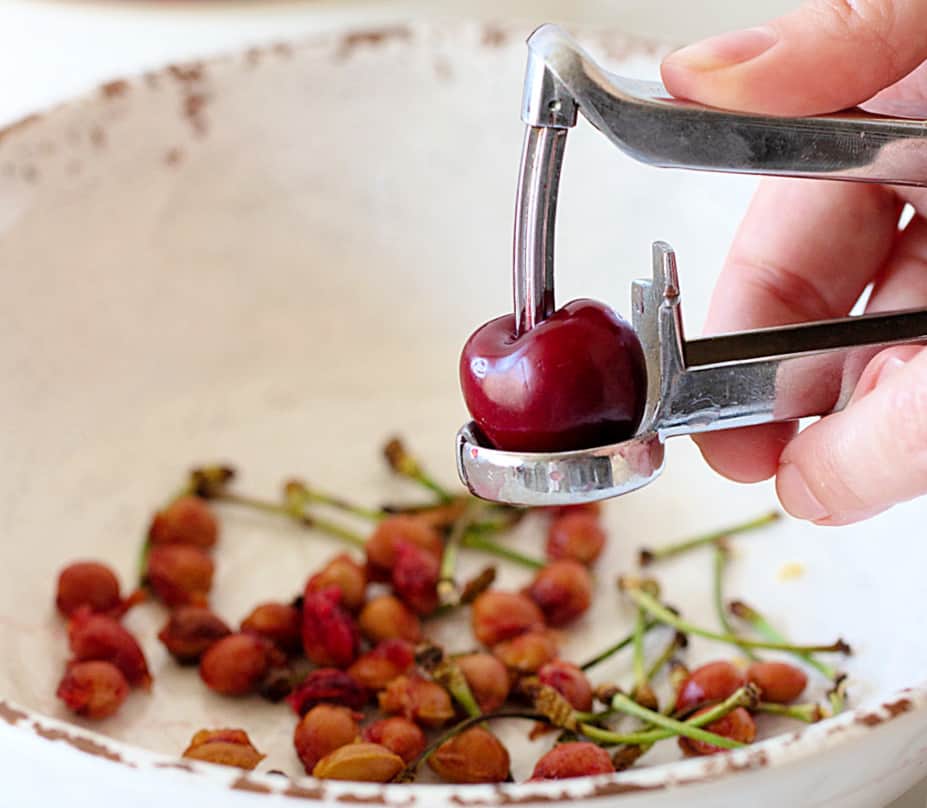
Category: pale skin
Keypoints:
(807, 250)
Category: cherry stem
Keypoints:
(640, 670)
(478, 541)
(664, 615)
(614, 649)
(298, 491)
(809, 713)
(677, 641)
(649, 556)
(294, 512)
(448, 591)
(762, 626)
(408, 773)
(670, 727)
(447, 673)
(721, 557)
(407, 465)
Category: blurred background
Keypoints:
(50, 51)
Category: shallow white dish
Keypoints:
(273, 259)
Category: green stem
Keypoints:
(720, 563)
(407, 775)
(614, 649)
(479, 542)
(675, 643)
(800, 712)
(406, 464)
(664, 615)
(649, 556)
(448, 593)
(640, 671)
(669, 727)
(298, 492)
(290, 512)
(763, 627)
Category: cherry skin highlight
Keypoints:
(575, 381)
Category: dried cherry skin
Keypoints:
(577, 536)
(190, 631)
(98, 637)
(473, 756)
(180, 574)
(330, 635)
(778, 682)
(237, 664)
(325, 728)
(711, 682)
(487, 678)
(562, 590)
(400, 735)
(187, 520)
(569, 681)
(281, 623)
(93, 689)
(577, 380)
(90, 584)
(576, 759)
(388, 618)
(497, 615)
(415, 576)
(738, 725)
(224, 747)
(327, 685)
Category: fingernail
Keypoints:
(725, 50)
(797, 498)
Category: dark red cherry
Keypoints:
(574, 381)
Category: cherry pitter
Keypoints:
(575, 405)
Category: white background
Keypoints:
(50, 51)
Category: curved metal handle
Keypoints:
(645, 122)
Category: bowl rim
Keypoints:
(788, 748)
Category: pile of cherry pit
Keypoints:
(374, 699)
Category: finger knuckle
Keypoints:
(794, 292)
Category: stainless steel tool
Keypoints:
(722, 382)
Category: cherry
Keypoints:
(575, 381)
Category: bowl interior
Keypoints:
(273, 260)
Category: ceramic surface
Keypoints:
(273, 259)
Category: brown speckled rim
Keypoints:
(854, 725)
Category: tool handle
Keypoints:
(648, 124)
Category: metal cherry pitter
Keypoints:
(699, 385)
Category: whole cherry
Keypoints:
(574, 381)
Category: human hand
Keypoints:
(807, 250)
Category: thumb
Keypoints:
(825, 56)
(858, 462)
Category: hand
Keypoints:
(807, 250)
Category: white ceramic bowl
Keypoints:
(273, 259)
